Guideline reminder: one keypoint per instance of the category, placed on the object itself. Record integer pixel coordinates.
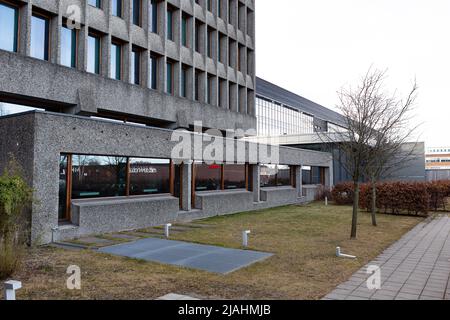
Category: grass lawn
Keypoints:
(303, 239)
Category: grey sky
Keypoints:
(314, 47)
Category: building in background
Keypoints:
(292, 120)
(96, 147)
(438, 163)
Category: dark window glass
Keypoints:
(184, 27)
(219, 8)
(136, 66)
(153, 74)
(208, 177)
(197, 36)
(197, 86)
(8, 27)
(169, 80)
(153, 16)
(39, 37)
(116, 61)
(184, 82)
(169, 24)
(275, 175)
(116, 8)
(93, 54)
(234, 176)
(149, 176)
(95, 3)
(62, 214)
(98, 176)
(137, 12)
(68, 47)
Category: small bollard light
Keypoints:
(10, 289)
(245, 238)
(167, 230)
(326, 201)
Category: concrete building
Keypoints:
(438, 163)
(288, 119)
(109, 82)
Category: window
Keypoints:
(234, 177)
(169, 24)
(116, 61)
(153, 16)
(68, 47)
(39, 37)
(135, 66)
(197, 36)
(62, 203)
(98, 176)
(169, 80)
(9, 17)
(210, 43)
(208, 177)
(95, 3)
(209, 89)
(197, 86)
(184, 30)
(149, 176)
(183, 84)
(93, 54)
(153, 74)
(219, 8)
(137, 12)
(275, 175)
(116, 8)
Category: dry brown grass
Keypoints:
(304, 266)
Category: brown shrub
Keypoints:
(342, 193)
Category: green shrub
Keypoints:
(15, 198)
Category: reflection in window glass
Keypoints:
(136, 12)
(136, 66)
(62, 214)
(98, 176)
(68, 47)
(149, 176)
(7, 109)
(208, 177)
(234, 177)
(275, 175)
(8, 27)
(116, 61)
(39, 37)
(153, 73)
(116, 8)
(93, 54)
(153, 16)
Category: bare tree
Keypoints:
(376, 128)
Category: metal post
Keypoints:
(167, 230)
(10, 289)
(245, 238)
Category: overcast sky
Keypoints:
(314, 47)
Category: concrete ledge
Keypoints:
(112, 215)
(310, 192)
(279, 195)
(223, 202)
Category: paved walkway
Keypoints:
(417, 267)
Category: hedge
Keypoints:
(397, 197)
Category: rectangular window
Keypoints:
(153, 74)
(169, 24)
(98, 176)
(275, 175)
(9, 17)
(184, 27)
(197, 86)
(149, 176)
(153, 16)
(234, 177)
(68, 47)
(219, 8)
(93, 54)
(169, 80)
(95, 3)
(135, 66)
(116, 8)
(39, 37)
(197, 36)
(116, 61)
(209, 43)
(183, 84)
(208, 177)
(209, 90)
(137, 12)
(62, 204)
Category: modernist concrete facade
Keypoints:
(208, 60)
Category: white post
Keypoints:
(326, 201)
(245, 238)
(10, 289)
(339, 254)
(167, 230)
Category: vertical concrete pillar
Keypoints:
(186, 186)
(256, 182)
(329, 178)
(298, 181)
(24, 40)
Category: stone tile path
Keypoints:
(417, 267)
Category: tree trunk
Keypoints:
(355, 209)
(374, 203)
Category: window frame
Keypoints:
(98, 50)
(74, 43)
(47, 44)
(16, 8)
